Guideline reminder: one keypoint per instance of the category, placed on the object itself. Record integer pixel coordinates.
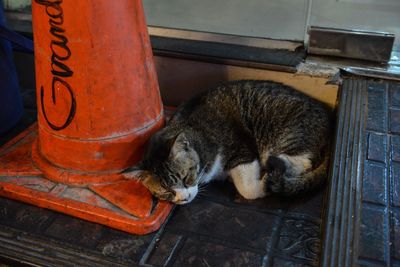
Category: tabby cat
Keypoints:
(266, 136)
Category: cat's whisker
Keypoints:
(201, 190)
(201, 174)
(204, 186)
(201, 194)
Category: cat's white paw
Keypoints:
(246, 178)
(131, 173)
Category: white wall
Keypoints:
(276, 19)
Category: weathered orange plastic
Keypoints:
(98, 103)
(97, 91)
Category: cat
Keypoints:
(266, 136)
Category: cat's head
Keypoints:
(170, 167)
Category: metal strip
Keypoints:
(365, 45)
(225, 61)
(339, 246)
(224, 38)
(373, 73)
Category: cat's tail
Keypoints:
(289, 185)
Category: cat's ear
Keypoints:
(180, 145)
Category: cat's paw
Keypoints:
(273, 183)
(274, 175)
(132, 173)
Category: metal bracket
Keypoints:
(374, 46)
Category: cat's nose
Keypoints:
(187, 198)
(184, 196)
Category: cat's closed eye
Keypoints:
(189, 180)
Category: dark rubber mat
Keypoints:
(217, 229)
(363, 216)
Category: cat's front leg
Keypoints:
(246, 178)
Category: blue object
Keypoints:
(19, 42)
(11, 108)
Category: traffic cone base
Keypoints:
(107, 199)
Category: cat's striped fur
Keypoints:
(266, 136)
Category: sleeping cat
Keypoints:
(266, 136)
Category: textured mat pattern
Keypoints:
(218, 229)
(363, 217)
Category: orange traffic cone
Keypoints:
(98, 103)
